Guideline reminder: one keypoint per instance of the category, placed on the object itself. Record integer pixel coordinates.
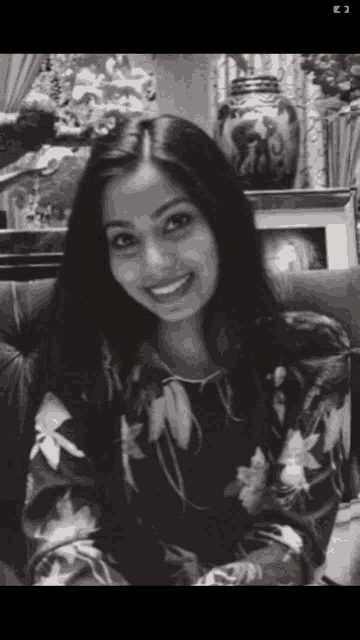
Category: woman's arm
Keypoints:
(62, 514)
(296, 486)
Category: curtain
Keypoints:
(17, 73)
(343, 132)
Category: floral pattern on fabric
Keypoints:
(50, 417)
(65, 564)
(130, 450)
(296, 458)
(233, 575)
(251, 482)
(276, 486)
(273, 566)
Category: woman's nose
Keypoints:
(157, 257)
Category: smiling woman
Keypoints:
(182, 430)
(166, 259)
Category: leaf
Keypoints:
(189, 571)
(279, 376)
(52, 413)
(338, 423)
(292, 447)
(79, 548)
(51, 451)
(310, 462)
(183, 412)
(232, 489)
(283, 534)
(258, 461)
(128, 436)
(128, 476)
(34, 451)
(177, 429)
(279, 404)
(68, 446)
(311, 441)
(135, 452)
(157, 418)
(296, 451)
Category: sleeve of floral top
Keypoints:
(294, 487)
(61, 514)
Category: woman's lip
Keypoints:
(178, 293)
(166, 283)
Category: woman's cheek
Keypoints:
(199, 249)
(125, 272)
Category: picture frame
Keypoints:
(309, 212)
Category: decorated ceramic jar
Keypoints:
(259, 131)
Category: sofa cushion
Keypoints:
(23, 307)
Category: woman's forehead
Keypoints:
(142, 192)
(145, 175)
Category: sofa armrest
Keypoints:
(335, 293)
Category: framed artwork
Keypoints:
(306, 229)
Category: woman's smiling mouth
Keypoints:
(172, 291)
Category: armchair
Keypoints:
(23, 312)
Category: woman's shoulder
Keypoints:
(323, 327)
(305, 325)
(295, 336)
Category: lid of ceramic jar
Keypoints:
(254, 84)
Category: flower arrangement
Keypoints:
(337, 74)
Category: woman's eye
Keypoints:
(178, 221)
(123, 241)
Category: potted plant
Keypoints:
(338, 76)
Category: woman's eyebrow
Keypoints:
(156, 214)
(125, 224)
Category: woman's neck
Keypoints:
(182, 348)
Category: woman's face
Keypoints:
(161, 248)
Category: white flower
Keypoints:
(296, 457)
(68, 525)
(250, 482)
(51, 416)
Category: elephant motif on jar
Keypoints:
(258, 130)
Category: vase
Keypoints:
(258, 130)
(343, 146)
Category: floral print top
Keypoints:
(185, 493)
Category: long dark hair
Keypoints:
(89, 302)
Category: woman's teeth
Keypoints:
(163, 291)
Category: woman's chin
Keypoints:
(176, 315)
